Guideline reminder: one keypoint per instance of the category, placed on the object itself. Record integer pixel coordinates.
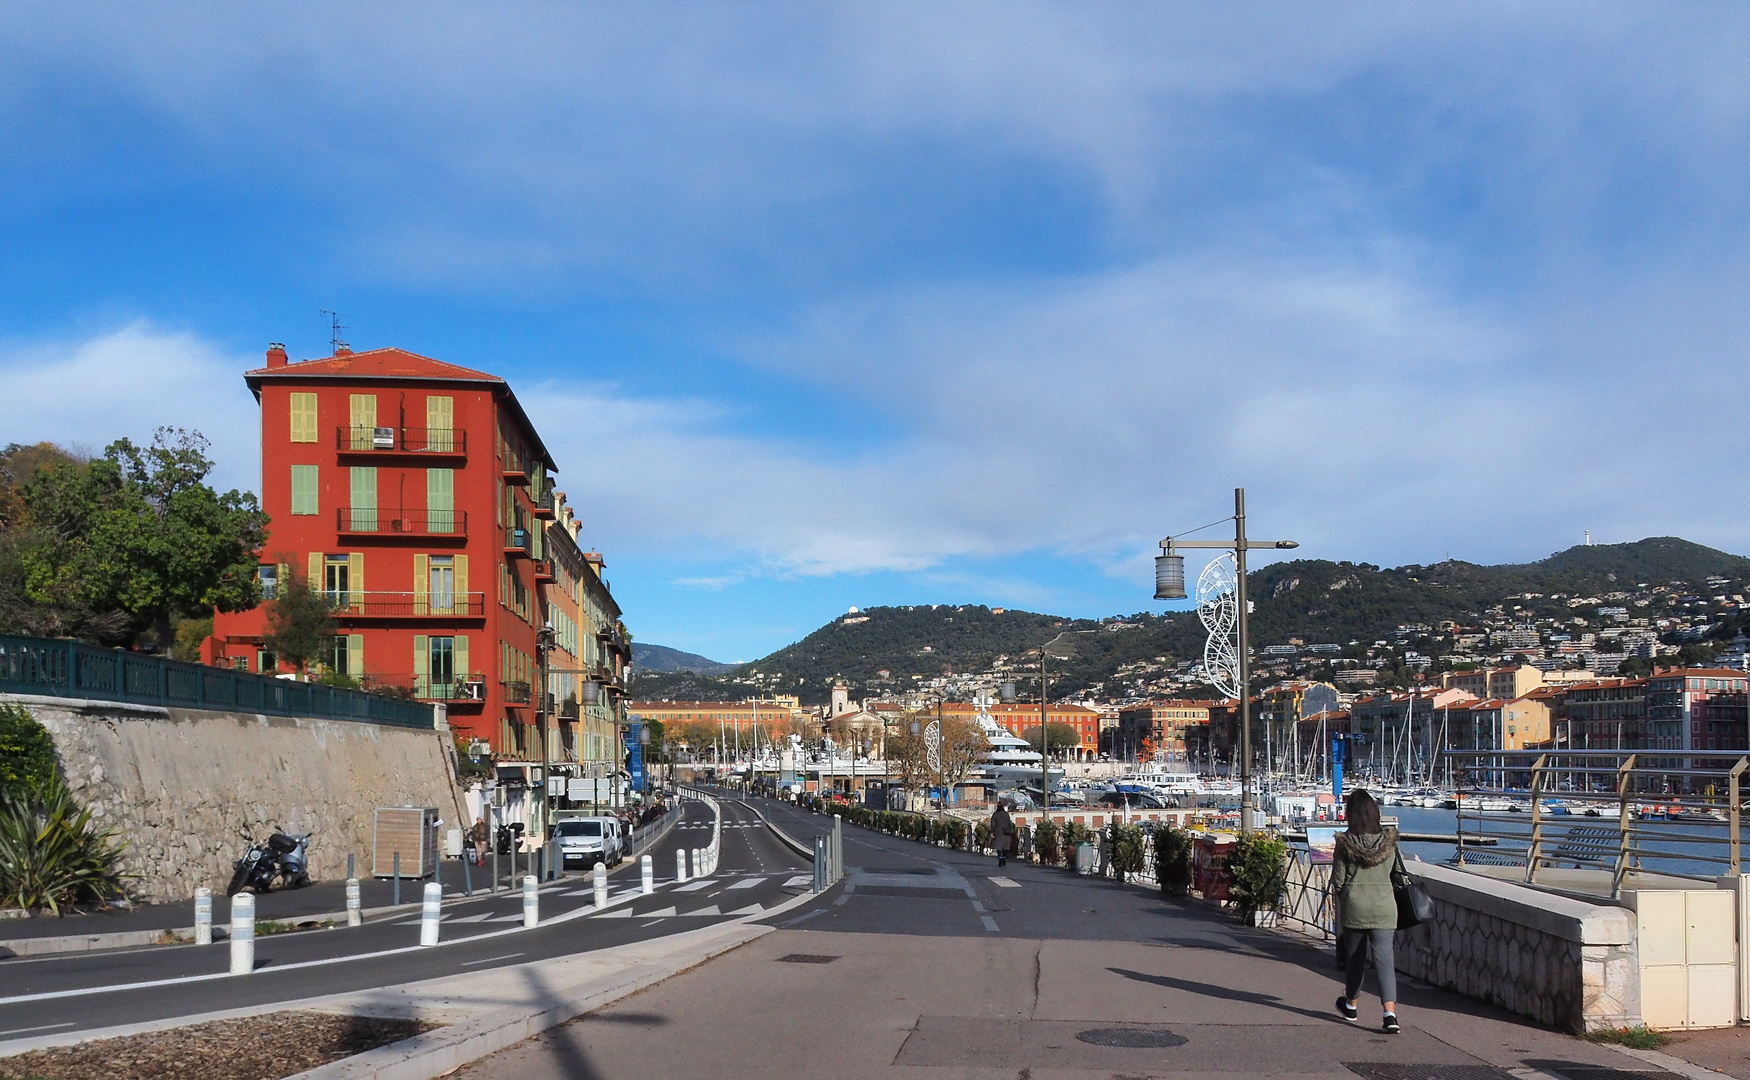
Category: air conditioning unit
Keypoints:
(383, 438)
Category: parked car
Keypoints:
(583, 842)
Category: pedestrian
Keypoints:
(1365, 870)
(478, 837)
(1002, 833)
(1025, 837)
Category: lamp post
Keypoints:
(1170, 585)
(544, 638)
(1007, 692)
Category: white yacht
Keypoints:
(1010, 759)
(1166, 781)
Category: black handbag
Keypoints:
(1414, 904)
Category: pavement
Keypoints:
(927, 962)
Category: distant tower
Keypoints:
(1588, 537)
(841, 698)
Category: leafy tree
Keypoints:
(138, 531)
(27, 753)
(300, 623)
(1063, 736)
(190, 633)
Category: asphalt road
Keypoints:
(80, 991)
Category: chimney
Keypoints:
(341, 348)
(276, 355)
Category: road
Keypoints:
(90, 990)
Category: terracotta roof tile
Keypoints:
(375, 364)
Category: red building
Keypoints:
(414, 494)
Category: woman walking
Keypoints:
(1002, 833)
(1365, 869)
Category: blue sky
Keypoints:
(906, 303)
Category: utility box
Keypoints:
(410, 830)
(1688, 945)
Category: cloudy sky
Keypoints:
(904, 303)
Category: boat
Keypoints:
(1011, 760)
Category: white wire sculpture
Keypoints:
(1218, 607)
(933, 746)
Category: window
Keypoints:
(364, 421)
(304, 489)
(440, 421)
(442, 664)
(440, 500)
(337, 579)
(269, 579)
(266, 662)
(303, 418)
(364, 499)
(441, 584)
(336, 656)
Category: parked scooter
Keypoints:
(509, 838)
(282, 857)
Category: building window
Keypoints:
(269, 578)
(364, 421)
(441, 583)
(337, 579)
(304, 489)
(440, 420)
(303, 419)
(337, 655)
(440, 500)
(364, 499)
(266, 662)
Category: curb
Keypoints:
(783, 837)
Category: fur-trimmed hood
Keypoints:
(1367, 849)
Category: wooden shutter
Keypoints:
(315, 581)
(303, 418)
(421, 665)
(306, 486)
(364, 420)
(440, 422)
(421, 584)
(355, 655)
(440, 500)
(463, 604)
(460, 652)
(355, 573)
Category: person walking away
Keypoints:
(480, 835)
(1002, 833)
(1365, 868)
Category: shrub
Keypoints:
(982, 836)
(1045, 843)
(27, 754)
(1077, 833)
(1124, 843)
(51, 855)
(1173, 860)
(1258, 870)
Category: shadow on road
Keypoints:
(1226, 993)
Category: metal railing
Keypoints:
(388, 440)
(395, 521)
(72, 669)
(409, 605)
(425, 688)
(517, 693)
(516, 539)
(1670, 813)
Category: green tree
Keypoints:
(300, 623)
(138, 531)
(27, 753)
(1063, 737)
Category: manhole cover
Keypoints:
(806, 958)
(1134, 1037)
(1575, 1070)
(1380, 1070)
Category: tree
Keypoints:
(27, 753)
(138, 531)
(300, 623)
(1063, 736)
(962, 745)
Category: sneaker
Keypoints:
(1345, 1009)
(1391, 1024)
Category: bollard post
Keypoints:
(349, 867)
(820, 864)
(430, 913)
(698, 863)
(531, 902)
(649, 868)
(680, 864)
(242, 933)
(601, 885)
(354, 917)
(467, 878)
(203, 916)
(396, 902)
(495, 868)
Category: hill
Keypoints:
(663, 658)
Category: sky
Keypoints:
(827, 305)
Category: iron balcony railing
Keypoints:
(459, 689)
(387, 521)
(516, 540)
(405, 440)
(72, 669)
(517, 693)
(408, 605)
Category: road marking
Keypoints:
(45, 1027)
(748, 884)
(751, 909)
(489, 959)
(799, 879)
(663, 914)
(482, 917)
(623, 913)
(989, 923)
(712, 910)
(695, 886)
(1005, 883)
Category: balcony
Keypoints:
(518, 541)
(460, 693)
(385, 521)
(544, 571)
(350, 607)
(516, 693)
(389, 441)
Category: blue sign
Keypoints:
(635, 755)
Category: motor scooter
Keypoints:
(280, 856)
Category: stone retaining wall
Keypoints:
(179, 784)
(1563, 962)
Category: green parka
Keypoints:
(1365, 868)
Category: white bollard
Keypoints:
(354, 916)
(680, 864)
(242, 933)
(429, 914)
(698, 863)
(531, 902)
(649, 869)
(203, 916)
(601, 886)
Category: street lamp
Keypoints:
(1170, 585)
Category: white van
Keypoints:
(585, 841)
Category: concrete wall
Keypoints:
(179, 783)
(1563, 962)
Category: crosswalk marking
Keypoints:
(665, 912)
(617, 913)
(695, 886)
(747, 883)
(712, 910)
(482, 917)
(1005, 882)
(799, 879)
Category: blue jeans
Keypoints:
(1360, 946)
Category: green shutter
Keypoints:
(440, 500)
(364, 499)
(421, 665)
(304, 481)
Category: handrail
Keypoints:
(73, 669)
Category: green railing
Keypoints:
(72, 669)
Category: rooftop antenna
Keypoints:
(336, 329)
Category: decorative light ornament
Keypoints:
(1218, 607)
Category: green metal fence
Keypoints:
(72, 669)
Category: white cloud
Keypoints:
(130, 382)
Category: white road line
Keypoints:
(695, 886)
(989, 923)
(1005, 883)
(490, 959)
(748, 884)
(45, 1027)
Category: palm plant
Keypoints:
(51, 855)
